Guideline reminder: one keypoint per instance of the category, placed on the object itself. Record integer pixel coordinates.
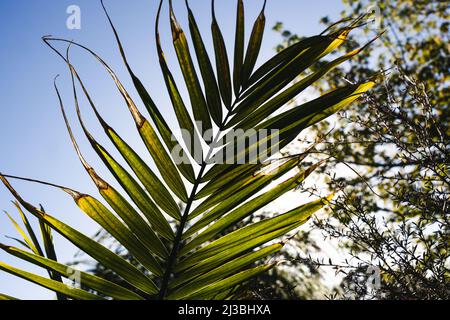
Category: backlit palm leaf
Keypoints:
(194, 253)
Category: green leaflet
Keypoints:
(109, 259)
(160, 123)
(202, 262)
(133, 189)
(214, 172)
(251, 236)
(274, 104)
(168, 137)
(29, 243)
(47, 238)
(265, 90)
(281, 59)
(99, 213)
(22, 243)
(239, 44)
(280, 100)
(98, 284)
(6, 297)
(206, 69)
(294, 216)
(290, 123)
(97, 251)
(163, 161)
(156, 149)
(230, 175)
(235, 179)
(318, 109)
(254, 45)
(133, 220)
(228, 295)
(291, 64)
(247, 209)
(198, 102)
(150, 181)
(106, 219)
(238, 193)
(50, 284)
(223, 271)
(222, 64)
(227, 283)
(30, 230)
(32, 243)
(136, 193)
(190, 135)
(166, 134)
(273, 83)
(185, 167)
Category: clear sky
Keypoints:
(33, 139)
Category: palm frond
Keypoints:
(197, 252)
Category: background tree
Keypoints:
(394, 151)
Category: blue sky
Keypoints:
(33, 139)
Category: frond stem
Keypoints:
(184, 218)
